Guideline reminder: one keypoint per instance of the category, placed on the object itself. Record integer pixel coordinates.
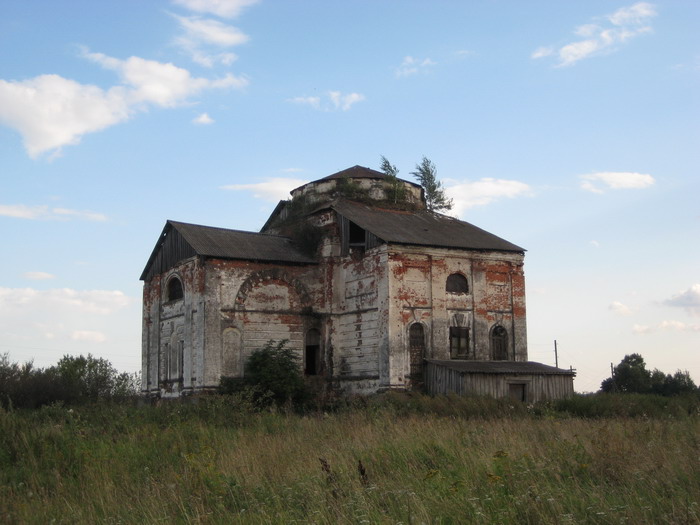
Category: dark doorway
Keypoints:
(499, 343)
(416, 348)
(312, 353)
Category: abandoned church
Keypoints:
(370, 288)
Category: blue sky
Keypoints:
(568, 128)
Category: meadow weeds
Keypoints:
(387, 459)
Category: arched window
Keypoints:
(416, 349)
(457, 283)
(312, 353)
(499, 343)
(175, 289)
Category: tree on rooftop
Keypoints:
(397, 192)
(435, 198)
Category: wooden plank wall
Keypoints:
(539, 387)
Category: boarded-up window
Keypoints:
(499, 343)
(517, 391)
(457, 283)
(416, 336)
(459, 342)
(231, 353)
(175, 289)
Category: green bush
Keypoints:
(272, 376)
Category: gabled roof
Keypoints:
(422, 228)
(501, 367)
(207, 241)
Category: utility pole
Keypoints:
(556, 355)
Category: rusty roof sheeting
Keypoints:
(501, 367)
(422, 228)
(236, 244)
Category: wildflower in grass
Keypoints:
(431, 473)
(494, 478)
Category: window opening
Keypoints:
(459, 342)
(356, 235)
(175, 291)
(499, 343)
(416, 337)
(457, 283)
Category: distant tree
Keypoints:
(631, 375)
(435, 198)
(677, 384)
(397, 192)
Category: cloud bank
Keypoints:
(602, 36)
(271, 190)
(615, 180)
(331, 101)
(469, 194)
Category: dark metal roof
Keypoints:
(208, 241)
(356, 172)
(421, 227)
(501, 367)
(236, 244)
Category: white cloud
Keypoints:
(542, 52)
(344, 102)
(211, 31)
(90, 336)
(272, 190)
(467, 194)
(597, 182)
(619, 308)
(594, 243)
(101, 302)
(202, 34)
(314, 102)
(411, 66)
(688, 299)
(641, 329)
(38, 276)
(333, 101)
(203, 119)
(41, 212)
(603, 36)
(222, 8)
(49, 323)
(50, 111)
(667, 326)
(158, 83)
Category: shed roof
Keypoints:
(501, 367)
(421, 227)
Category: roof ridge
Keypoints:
(226, 229)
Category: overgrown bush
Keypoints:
(272, 376)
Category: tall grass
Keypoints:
(398, 459)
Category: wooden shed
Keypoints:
(520, 380)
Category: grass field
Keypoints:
(395, 459)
